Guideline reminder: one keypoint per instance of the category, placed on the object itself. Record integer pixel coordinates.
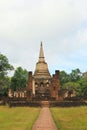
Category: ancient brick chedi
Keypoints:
(41, 85)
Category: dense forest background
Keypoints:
(76, 80)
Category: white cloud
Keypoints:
(61, 25)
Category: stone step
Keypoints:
(45, 104)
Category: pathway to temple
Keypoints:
(44, 121)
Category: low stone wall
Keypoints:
(67, 103)
(3, 100)
(23, 102)
(13, 102)
(51, 103)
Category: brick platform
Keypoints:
(44, 121)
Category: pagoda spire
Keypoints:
(41, 70)
(41, 54)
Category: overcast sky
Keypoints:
(60, 24)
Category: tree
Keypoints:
(4, 68)
(4, 65)
(70, 81)
(83, 88)
(19, 79)
(75, 75)
(64, 77)
(72, 86)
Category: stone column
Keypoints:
(33, 87)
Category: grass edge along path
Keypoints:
(73, 118)
(18, 118)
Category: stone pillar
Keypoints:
(33, 90)
(29, 85)
(55, 85)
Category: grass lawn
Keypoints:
(17, 118)
(74, 118)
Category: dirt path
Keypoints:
(44, 121)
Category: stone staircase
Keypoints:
(45, 104)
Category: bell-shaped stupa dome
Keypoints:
(41, 70)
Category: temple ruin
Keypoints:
(41, 85)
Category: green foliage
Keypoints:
(71, 85)
(4, 79)
(19, 79)
(74, 81)
(83, 88)
(5, 85)
(4, 65)
(64, 77)
(75, 75)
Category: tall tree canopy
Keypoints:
(75, 75)
(4, 65)
(64, 77)
(83, 87)
(74, 81)
(4, 68)
(19, 79)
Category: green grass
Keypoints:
(17, 118)
(74, 118)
